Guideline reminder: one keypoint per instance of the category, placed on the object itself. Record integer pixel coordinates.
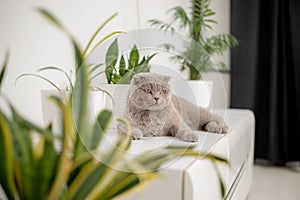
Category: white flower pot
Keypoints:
(198, 92)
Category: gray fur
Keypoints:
(153, 110)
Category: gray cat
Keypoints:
(153, 110)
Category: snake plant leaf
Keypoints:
(122, 67)
(65, 159)
(91, 180)
(47, 133)
(115, 78)
(80, 110)
(100, 127)
(142, 68)
(7, 158)
(46, 168)
(125, 79)
(3, 68)
(111, 58)
(133, 57)
(111, 160)
(24, 158)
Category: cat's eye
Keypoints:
(147, 91)
(163, 91)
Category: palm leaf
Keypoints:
(161, 25)
(179, 15)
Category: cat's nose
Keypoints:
(156, 98)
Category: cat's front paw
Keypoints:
(136, 134)
(192, 136)
(216, 127)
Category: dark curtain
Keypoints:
(265, 73)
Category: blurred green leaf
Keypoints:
(7, 158)
(122, 66)
(48, 15)
(57, 69)
(133, 57)
(97, 32)
(3, 67)
(111, 59)
(100, 127)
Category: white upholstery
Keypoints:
(194, 179)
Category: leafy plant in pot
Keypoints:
(33, 167)
(197, 55)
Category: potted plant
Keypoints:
(198, 52)
(40, 163)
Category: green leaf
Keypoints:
(57, 69)
(3, 68)
(112, 54)
(111, 59)
(46, 167)
(49, 16)
(100, 127)
(122, 66)
(97, 32)
(126, 78)
(95, 67)
(102, 40)
(65, 160)
(24, 158)
(80, 110)
(179, 15)
(133, 57)
(79, 58)
(115, 78)
(38, 76)
(161, 25)
(7, 158)
(141, 68)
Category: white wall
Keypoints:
(33, 42)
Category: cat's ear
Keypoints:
(137, 79)
(166, 78)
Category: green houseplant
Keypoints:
(38, 170)
(201, 47)
(122, 72)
